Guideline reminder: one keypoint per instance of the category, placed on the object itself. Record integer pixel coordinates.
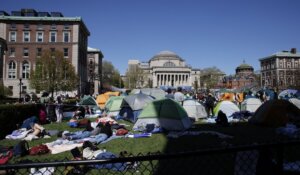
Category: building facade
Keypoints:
(28, 33)
(95, 58)
(166, 69)
(244, 77)
(281, 70)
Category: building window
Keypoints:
(12, 52)
(66, 52)
(288, 65)
(39, 36)
(296, 65)
(39, 52)
(26, 26)
(25, 52)
(66, 27)
(12, 70)
(52, 36)
(26, 37)
(11, 88)
(66, 37)
(25, 70)
(52, 50)
(13, 26)
(12, 36)
(53, 27)
(169, 64)
(24, 89)
(40, 27)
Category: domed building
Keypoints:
(165, 69)
(244, 69)
(244, 76)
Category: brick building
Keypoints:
(95, 57)
(281, 70)
(28, 33)
(244, 76)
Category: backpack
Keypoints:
(21, 149)
(5, 155)
(38, 150)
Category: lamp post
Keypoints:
(20, 88)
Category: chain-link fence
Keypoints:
(264, 159)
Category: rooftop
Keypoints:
(32, 15)
(289, 54)
(166, 54)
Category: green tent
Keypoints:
(114, 104)
(164, 113)
(227, 107)
(88, 101)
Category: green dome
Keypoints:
(243, 66)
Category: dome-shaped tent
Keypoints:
(164, 113)
(227, 107)
(194, 109)
(250, 104)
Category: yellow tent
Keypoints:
(227, 96)
(102, 98)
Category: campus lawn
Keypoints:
(243, 134)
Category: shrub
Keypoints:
(12, 116)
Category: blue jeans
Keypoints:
(79, 135)
(111, 166)
(99, 138)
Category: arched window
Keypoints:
(169, 64)
(12, 70)
(25, 70)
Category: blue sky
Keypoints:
(206, 33)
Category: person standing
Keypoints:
(209, 103)
(169, 94)
(178, 96)
(59, 110)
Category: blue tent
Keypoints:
(126, 113)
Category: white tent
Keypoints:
(250, 104)
(295, 101)
(194, 109)
(227, 107)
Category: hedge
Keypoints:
(13, 115)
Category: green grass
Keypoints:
(243, 133)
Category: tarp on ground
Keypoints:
(137, 101)
(250, 104)
(102, 98)
(164, 113)
(88, 101)
(227, 107)
(194, 109)
(113, 104)
(295, 101)
(276, 113)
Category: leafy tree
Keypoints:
(53, 73)
(135, 77)
(5, 91)
(111, 75)
(210, 77)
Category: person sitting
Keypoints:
(222, 119)
(100, 133)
